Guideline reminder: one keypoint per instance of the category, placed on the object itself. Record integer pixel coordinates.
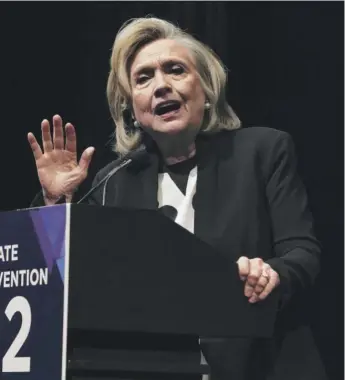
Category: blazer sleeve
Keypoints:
(297, 251)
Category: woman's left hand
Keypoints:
(260, 279)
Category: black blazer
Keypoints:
(249, 201)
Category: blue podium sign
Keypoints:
(34, 248)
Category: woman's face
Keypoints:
(167, 96)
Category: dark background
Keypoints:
(286, 71)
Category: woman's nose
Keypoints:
(162, 86)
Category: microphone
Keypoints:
(137, 156)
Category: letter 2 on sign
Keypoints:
(11, 363)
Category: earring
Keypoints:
(207, 106)
(132, 126)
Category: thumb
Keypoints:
(243, 267)
(85, 158)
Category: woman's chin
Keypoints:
(172, 127)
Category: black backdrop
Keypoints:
(286, 71)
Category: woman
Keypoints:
(235, 188)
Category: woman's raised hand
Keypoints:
(58, 170)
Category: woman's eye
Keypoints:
(177, 69)
(142, 79)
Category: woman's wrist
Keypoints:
(50, 200)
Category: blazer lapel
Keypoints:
(205, 199)
(135, 188)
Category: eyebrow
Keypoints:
(163, 62)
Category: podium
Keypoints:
(89, 292)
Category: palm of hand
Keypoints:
(57, 167)
(58, 172)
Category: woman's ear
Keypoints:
(127, 116)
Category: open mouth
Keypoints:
(167, 107)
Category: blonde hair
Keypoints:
(135, 34)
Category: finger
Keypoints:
(261, 284)
(254, 298)
(36, 149)
(85, 158)
(46, 136)
(71, 138)
(263, 280)
(58, 133)
(243, 267)
(272, 284)
(255, 271)
(248, 289)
